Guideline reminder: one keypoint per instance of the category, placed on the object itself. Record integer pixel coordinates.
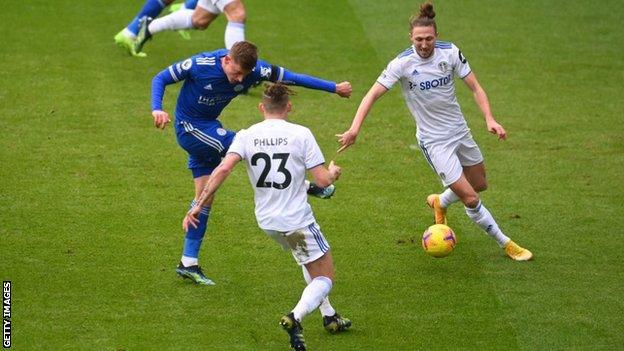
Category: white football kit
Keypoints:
(429, 90)
(277, 154)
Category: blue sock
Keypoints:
(152, 8)
(194, 236)
(190, 4)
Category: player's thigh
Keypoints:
(322, 267)
(204, 14)
(234, 10)
(442, 158)
(206, 145)
(471, 159)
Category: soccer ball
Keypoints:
(438, 240)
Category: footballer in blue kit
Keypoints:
(211, 80)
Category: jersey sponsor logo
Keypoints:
(461, 57)
(221, 131)
(443, 66)
(186, 65)
(212, 100)
(265, 72)
(432, 84)
(208, 87)
(207, 61)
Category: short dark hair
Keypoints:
(276, 97)
(245, 54)
(425, 17)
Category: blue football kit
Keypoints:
(205, 93)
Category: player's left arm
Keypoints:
(219, 175)
(484, 104)
(280, 74)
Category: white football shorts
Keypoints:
(214, 6)
(306, 244)
(447, 157)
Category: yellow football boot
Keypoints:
(439, 212)
(516, 252)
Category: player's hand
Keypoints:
(495, 128)
(334, 170)
(161, 119)
(346, 139)
(344, 89)
(191, 219)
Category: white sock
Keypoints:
(181, 19)
(189, 261)
(312, 296)
(129, 34)
(234, 32)
(448, 197)
(483, 218)
(325, 307)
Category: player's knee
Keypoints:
(481, 187)
(471, 200)
(200, 21)
(235, 12)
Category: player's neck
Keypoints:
(282, 116)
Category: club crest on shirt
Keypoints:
(187, 64)
(221, 131)
(238, 88)
(443, 66)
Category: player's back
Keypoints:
(277, 154)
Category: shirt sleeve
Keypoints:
(238, 144)
(460, 64)
(172, 74)
(391, 74)
(278, 74)
(313, 154)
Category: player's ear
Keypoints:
(288, 107)
(261, 108)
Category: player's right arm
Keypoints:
(325, 177)
(347, 138)
(386, 80)
(170, 75)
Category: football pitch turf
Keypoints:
(92, 196)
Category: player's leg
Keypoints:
(332, 321)
(126, 37)
(310, 249)
(482, 217)
(236, 15)
(206, 145)
(189, 263)
(187, 5)
(476, 177)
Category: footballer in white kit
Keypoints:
(426, 71)
(429, 90)
(277, 154)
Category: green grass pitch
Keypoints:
(92, 196)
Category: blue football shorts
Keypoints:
(206, 142)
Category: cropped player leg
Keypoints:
(178, 20)
(476, 176)
(151, 8)
(332, 321)
(480, 215)
(202, 17)
(321, 272)
(235, 29)
(195, 236)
